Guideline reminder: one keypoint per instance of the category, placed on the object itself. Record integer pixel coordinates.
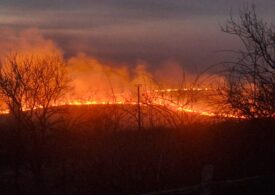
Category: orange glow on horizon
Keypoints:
(156, 101)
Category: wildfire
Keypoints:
(107, 83)
(181, 90)
(157, 100)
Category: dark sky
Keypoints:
(187, 31)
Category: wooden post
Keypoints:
(206, 179)
(138, 104)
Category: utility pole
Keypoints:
(138, 106)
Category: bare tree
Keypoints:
(29, 86)
(250, 80)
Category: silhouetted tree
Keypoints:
(29, 86)
(250, 81)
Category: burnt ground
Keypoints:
(93, 158)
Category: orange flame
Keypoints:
(156, 101)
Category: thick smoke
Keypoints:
(90, 77)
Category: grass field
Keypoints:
(89, 153)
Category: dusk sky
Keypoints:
(156, 31)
